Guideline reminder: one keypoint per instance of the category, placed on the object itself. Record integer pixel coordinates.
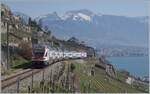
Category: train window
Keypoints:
(38, 53)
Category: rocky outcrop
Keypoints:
(103, 64)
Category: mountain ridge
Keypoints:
(97, 29)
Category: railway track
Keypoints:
(23, 75)
(20, 76)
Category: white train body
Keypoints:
(45, 55)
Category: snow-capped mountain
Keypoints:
(81, 15)
(98, 29)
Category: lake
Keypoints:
(137, 66)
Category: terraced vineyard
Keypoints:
(99, 82)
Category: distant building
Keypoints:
(130, 80)
(145, 79)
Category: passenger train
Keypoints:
(45, 55)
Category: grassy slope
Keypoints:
(100, 82)
(18, 63)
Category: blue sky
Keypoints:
(36, 8)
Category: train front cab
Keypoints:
(40, 58)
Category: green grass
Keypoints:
(20, 63)
(100, 82)
(17, 63)
(121, 77)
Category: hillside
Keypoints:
(100, 81)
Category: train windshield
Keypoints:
(41, 54)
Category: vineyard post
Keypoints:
(32, 81)
(18, 84)
(50, 79)
(29, 89)
(7, 64)
(43, 75)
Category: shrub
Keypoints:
(25, 50)
(72, 67)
